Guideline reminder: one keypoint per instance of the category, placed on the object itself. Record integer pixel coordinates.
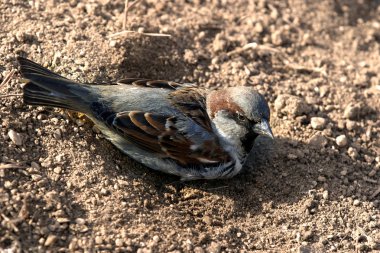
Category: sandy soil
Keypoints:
(316, 188)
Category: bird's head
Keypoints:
(240, 114)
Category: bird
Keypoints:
(180, 129)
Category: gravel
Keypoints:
(63, 187)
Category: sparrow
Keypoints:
(179, 129)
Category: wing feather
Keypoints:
(150, 133)
(188, 139)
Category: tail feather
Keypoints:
(30, 68)
(47, 88)
(35, 95)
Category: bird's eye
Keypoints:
(240, 117)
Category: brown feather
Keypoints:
(140, 121)
(192, 103)
(220, 100)
(156, 121)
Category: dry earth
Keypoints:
(316, 188)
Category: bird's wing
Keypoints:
(149, 83)
(185, 135)
(187, 98)
(164, 136)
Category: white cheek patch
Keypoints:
(228, 128)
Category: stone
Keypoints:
(352, 152)
(356, 111)
(156, 238)
(57, 170)
(351, 125)
(318, 140)
(318, 123)
(341, 140)
(50, 240)
(119, 242)
(220, 43)
(15, 137)
(98, 239)
(80, 221)
(291, 105)
(351, 112)
(35, 165)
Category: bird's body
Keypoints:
(178, 129)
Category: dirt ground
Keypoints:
(315, 188)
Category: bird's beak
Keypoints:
(263, 128)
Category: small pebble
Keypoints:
(372, 173)
(147, 203)
(352, 112)
(356, 202)
(41, 241)
(351, 125)
(341, 124)
(321, 179)
(140, 29)
(318, 140)
(291, 105)
(207, 219)
(341, 140)
(119, 242)
(57, 134)
(104, 191)
(50, 240)
(35, 165)
(352, 152)
(318, 123)
(156, 238)
(113, 43)
(8, 185)
(98, 239)
(325, 194)
(41, 116)
(57, 170)
(15, 137)
(80, 221)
